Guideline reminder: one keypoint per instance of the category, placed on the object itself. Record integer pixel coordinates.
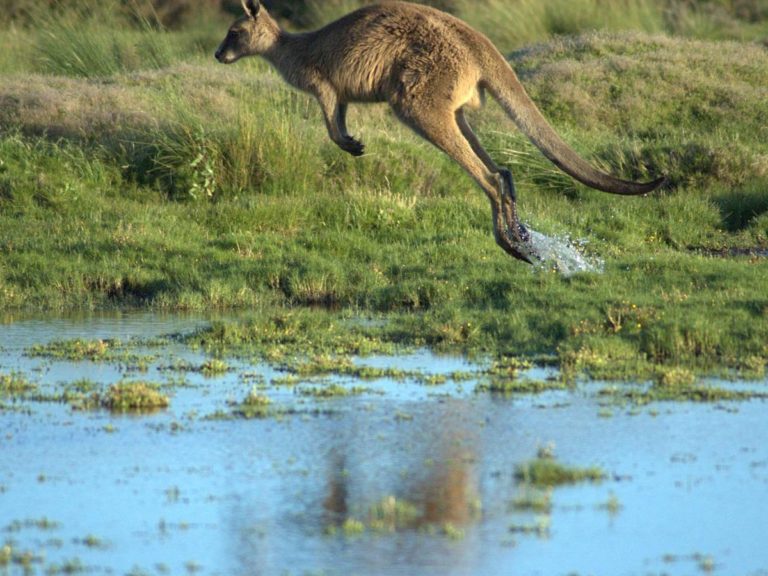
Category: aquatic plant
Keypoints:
(15, 385)
(331, 391)
(14, 557)
(75, 350)
(533, 499)
(214, 367)
(545, 472)
(134, 397)
(352, 527)
(452, 531)
(675, 377)
(254, 405)
(392, 514)
(522, 386)
(676, 385)
(612, 505)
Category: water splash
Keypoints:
(562, 254)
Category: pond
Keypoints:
(414, 475)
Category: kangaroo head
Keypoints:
(254, 33)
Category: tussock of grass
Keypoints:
(547, 472)
(254, 405)
(392, 514)
(15, 385)
(522, 386)
(88, 42)
(134, 397)
(681, 385)
(331, 391)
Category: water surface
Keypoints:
(179, 492)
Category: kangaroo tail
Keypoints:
(509, 92)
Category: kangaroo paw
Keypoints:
(514, 249)
(512, 245)
(514, 228)
(354, 147)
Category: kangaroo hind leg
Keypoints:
(441, 128)
(508, 194)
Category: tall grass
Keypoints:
(97, 39)
(513, 24)
(92, 40)
(253, 144)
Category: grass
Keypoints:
(254, 405)
(511, 24)
(545, 472)
(523, 386)
(678, 385)
(174, 183)
(332, 391)
(15, 385)
(393, 515)
(134, 397)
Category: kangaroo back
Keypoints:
(509, 92)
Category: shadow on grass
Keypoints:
(739, 209)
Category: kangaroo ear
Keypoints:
(251, 7)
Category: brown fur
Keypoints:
(429, 66)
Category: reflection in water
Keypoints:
(410, 493)
(446, 495)
(336, 502)
(450, 496)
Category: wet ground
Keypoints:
(402, 477)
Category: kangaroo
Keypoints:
(429, 66)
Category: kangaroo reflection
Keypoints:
(438, 490)
(336, 501)
(362, 473)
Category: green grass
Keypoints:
(544, 472)
(254, 405)
(512, 24)
(134, 397)
(393, 515)
(180, 184)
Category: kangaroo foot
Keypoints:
(514, 249)
(515, 230)
(510, 245)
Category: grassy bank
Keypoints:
(175, 183)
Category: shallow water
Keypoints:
(175, 492)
